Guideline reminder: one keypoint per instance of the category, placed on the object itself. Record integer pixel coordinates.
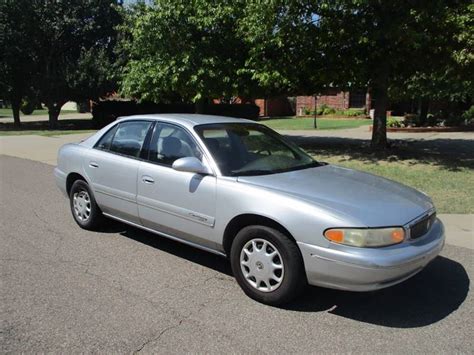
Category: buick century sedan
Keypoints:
(236, 188)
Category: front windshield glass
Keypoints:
(241, 149)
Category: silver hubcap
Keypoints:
(262, 265)
(82, 205)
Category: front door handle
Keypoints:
(148, 180)
(93, 164)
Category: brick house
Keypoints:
(274, 107)
(270, 107)
(285, 106)
(340, 100)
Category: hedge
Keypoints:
(107, 111)
(249, 111)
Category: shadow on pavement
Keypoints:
(450, 154)
(426, 298)
(203, 258)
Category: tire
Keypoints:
(258, 274)
(86, 212)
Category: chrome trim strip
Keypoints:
(420, 217)
(407, 227)
(185, 214)
(198, 246)
(113, 195)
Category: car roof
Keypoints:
(188, 119)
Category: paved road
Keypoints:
(123, 290)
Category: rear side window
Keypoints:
(129, 137)
(104, 142)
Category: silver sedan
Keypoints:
(236, 188)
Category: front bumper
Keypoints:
(366, 269)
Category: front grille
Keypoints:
(422, 227)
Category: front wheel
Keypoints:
(267, 265)
(84, 209)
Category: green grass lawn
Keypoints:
(7, 112)
(291, 123)
(46, 132)
(443, 169)
(451, 191)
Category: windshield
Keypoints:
(251, 149)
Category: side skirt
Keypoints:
(213, 251)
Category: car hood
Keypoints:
(372, 200)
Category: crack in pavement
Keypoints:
(177, 325)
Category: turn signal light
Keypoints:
(398, 235)
(335, 235)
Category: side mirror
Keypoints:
(191, 165)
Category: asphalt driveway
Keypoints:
(123, 290)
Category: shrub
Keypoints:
(307, 111)
(468, 115)
(354, 112)
(411, 119)
(431, 120)
(319, 110)
(248, 111)
(105, 112)
(393, 122)
(329, 111)
(454, 119)
(27, 106)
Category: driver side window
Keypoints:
(170, 143)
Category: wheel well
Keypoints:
(244, 220)
(71, 178)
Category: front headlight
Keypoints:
(377, 237)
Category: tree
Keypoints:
(184, 50)
(74, 40)
(448, 77)
(287, 53)
(18, 61)
(361, 43)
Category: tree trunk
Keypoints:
(423, 111)
(315, 123)
(53, 112)
(16, 113)
(379, 129)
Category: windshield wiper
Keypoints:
(313, 164)
(250, 172)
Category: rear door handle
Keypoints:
(93, 164)
(148, 179)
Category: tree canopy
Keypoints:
(179, 50)
(62, 49)
(17, 60)
(76, 40)
(383, 45)
(185, 50)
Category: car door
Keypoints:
(112, 167)
(180, 204)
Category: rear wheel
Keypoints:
(84, 209)
(267, 265)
